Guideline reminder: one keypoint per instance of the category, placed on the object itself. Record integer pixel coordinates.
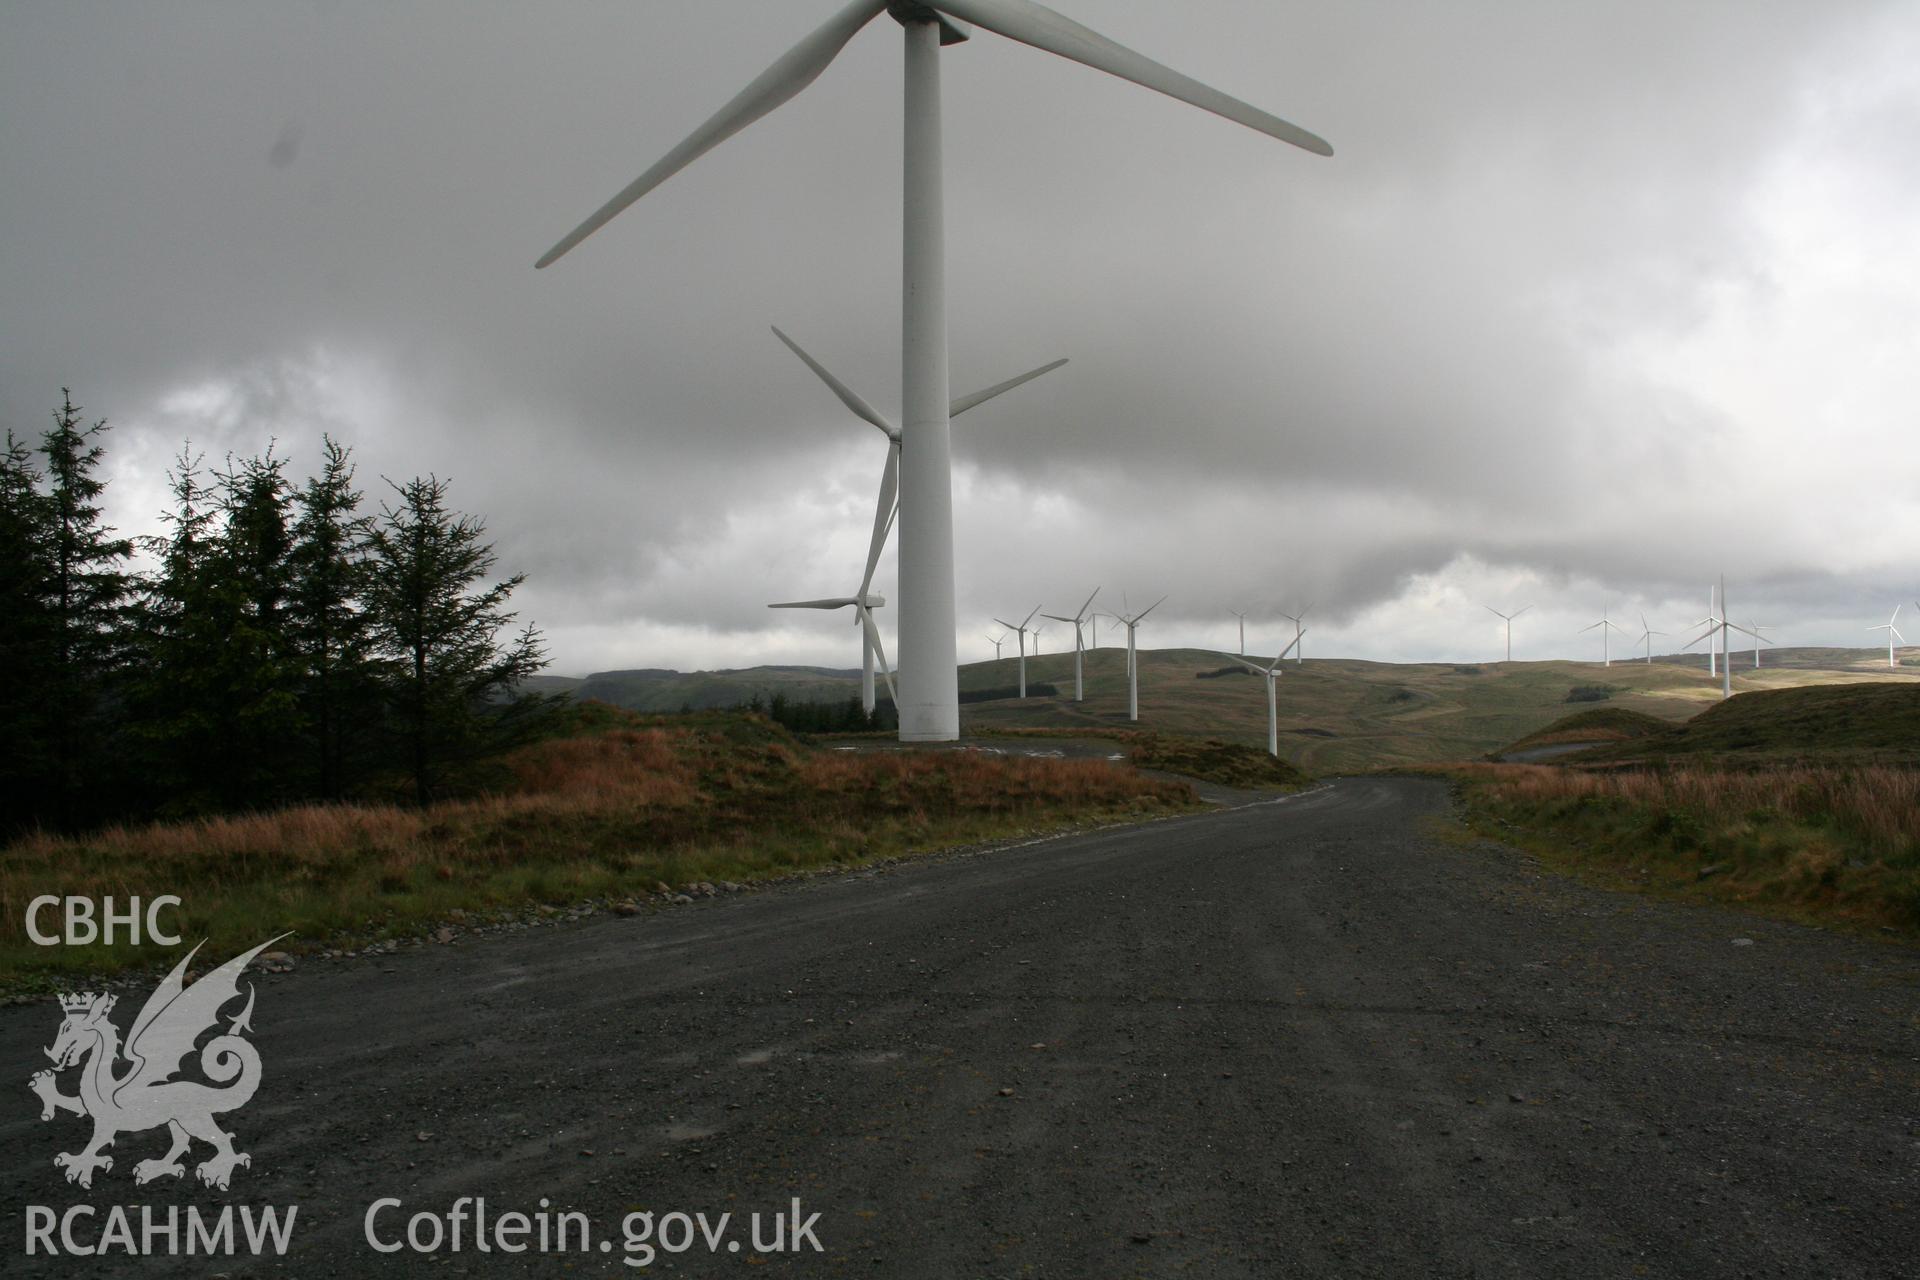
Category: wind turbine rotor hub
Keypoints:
(952, 30)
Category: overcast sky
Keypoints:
(1593, 302)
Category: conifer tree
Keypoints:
(87, 591)
(339, 691)
(450, 678)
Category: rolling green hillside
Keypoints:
(1872, 722)
(1335, 714)
(1343, 714)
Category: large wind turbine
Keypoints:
(1647, 634)
(1893, 633)
(1299, 634)
(1509, 617)
(1720, 627)
(1272, 673)
(1133, 665)
(1022, 630)
(1078, 620)
(930, 699)
(1605, 625)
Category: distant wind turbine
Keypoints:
(1133, 663)
(1893, 633)
(1078, 620)
(1758, 639)
(1243, 630)
(1605, 625)
(1720, 627)
(1509, 619)
(929, 706)
(1271, 673)
(1021, 629)
(1708, 621)
(1299, 634)
(1647, 634)
(996, 642)
(863, 603)
(1036, 638)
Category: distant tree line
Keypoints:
(284, 645)
(825, 717)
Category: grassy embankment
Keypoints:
(629, 804)
(1801, 802)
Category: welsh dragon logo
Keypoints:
(144, 1093)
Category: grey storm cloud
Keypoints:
(1592, 301)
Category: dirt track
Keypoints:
(1302, 1038)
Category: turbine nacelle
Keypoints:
(952, 30)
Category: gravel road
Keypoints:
(1304, 1038)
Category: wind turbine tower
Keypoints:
(1243, 630)
(1893, 633)
(1647, 634)
(1133, 664)
(1720, 627)
(1271, 673)
(1021, 630)
(929, 700)
(1078, 620)
(1606, 654)
(1509, 617)
(1299, 634)
(996, 642)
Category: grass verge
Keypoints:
(1227, 764)
(1828, 844)
(634, 803)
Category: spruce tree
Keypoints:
(26, 638)
(87, 593)
(450, 678)
(339, 692)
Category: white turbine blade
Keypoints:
(1896, 634)
(848, 397)
(1082, 613)
(1162, 600)
(1289, 649)
(1582, 631)
(1520, 612)
(1702, 636)
(883, 510)
(792, 72)
(964, 403)
(1042, 28)
(1495, 612)
(1056, 617)
(1008, 625)
(1737, 627)
(1036, 609)
(1259, 671)
(879, 651)
(840, 602)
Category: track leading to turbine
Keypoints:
(1291, 1039)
